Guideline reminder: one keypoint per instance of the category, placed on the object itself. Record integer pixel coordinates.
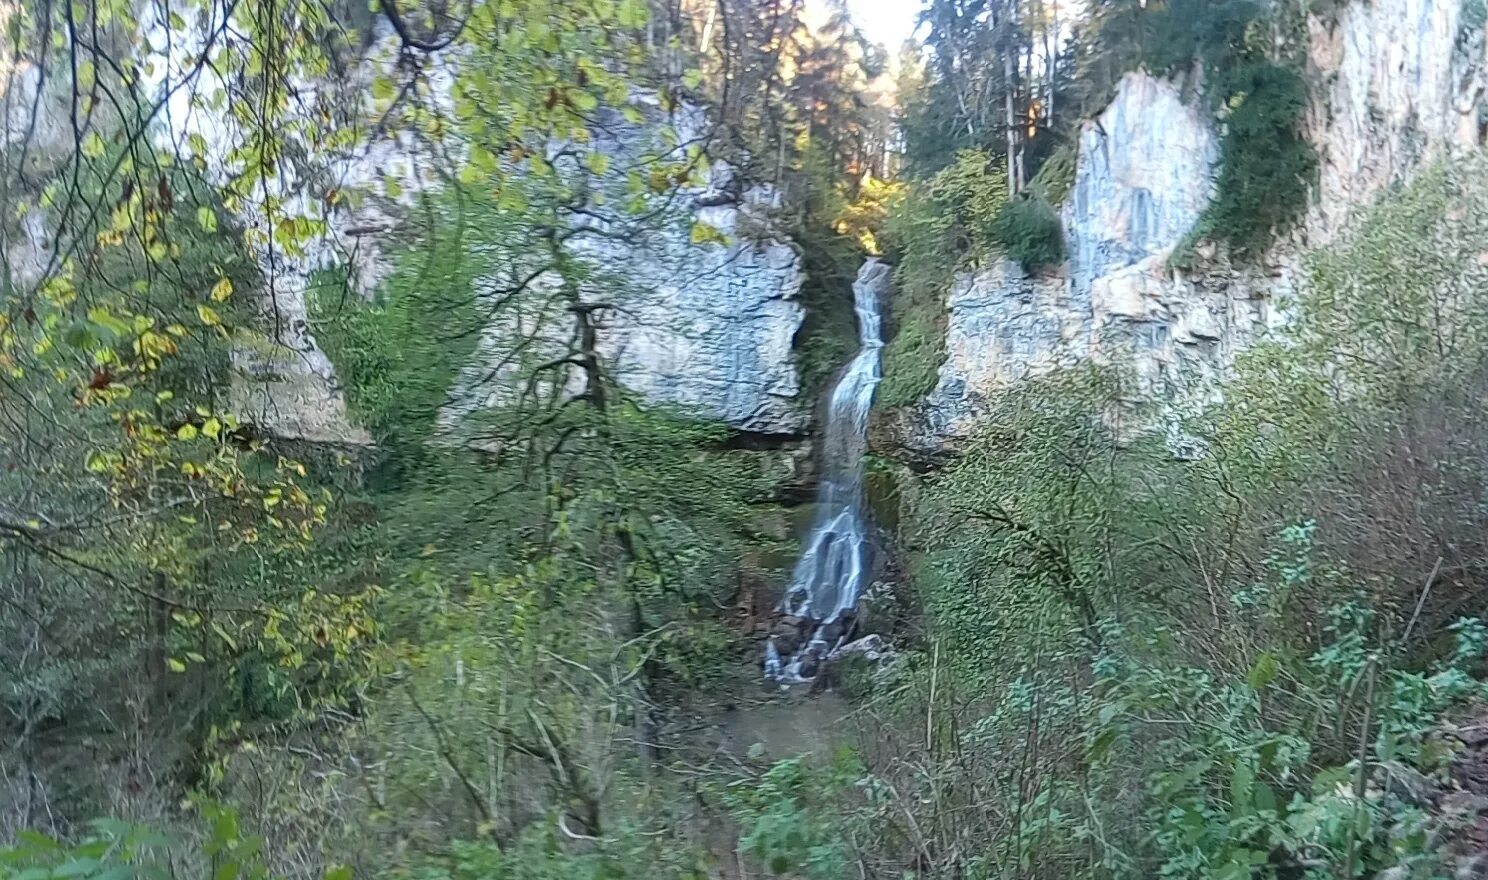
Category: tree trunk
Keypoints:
(1014, 156)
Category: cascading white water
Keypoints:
(834, 569)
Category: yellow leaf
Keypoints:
(92, 145)
(211, 427)
(176, 665)
(186, 432)
(208, 316)
(222, 289)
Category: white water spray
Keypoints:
(833, 572)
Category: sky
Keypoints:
(887, 22)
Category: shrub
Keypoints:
(1030, 232)
(1265, 162)
(936, 229)
(1056, 176)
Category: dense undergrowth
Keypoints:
(508, 644)
(1138, 665)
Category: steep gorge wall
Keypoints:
(1394, 84)
(702, 325)
(705, 325)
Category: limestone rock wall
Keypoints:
(705, 325)
(1394, 83)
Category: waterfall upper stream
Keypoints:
(834, 570)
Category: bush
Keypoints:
(398, 355)
(1030, 233)
(1266, 164)
(1056, 176)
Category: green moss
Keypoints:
(828, 335)
(1265, 163)
(911, 361)
(1056, 176)
(398, 355)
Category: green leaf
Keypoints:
(206, 218)
(76, 868)
(105, 319)
(1263, 672)
(38, 841)
(703, 233)
(383, 88)
(175, 665)
(1241, 782)
(632, 13)
(186, 432)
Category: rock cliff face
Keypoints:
(702, 325)
(710, 326)
(1394, 84)
(706, 325)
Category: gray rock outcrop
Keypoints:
(703, 323)
(695, 298)
(1394, 85)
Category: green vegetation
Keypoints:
(399, 355)
(1030, 233)
(1266, 165)
(1235, 665)
(933, 230)
(829, 334)
(1055, 177)
(949, 224)
(519, 637)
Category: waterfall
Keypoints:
(834, 570)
